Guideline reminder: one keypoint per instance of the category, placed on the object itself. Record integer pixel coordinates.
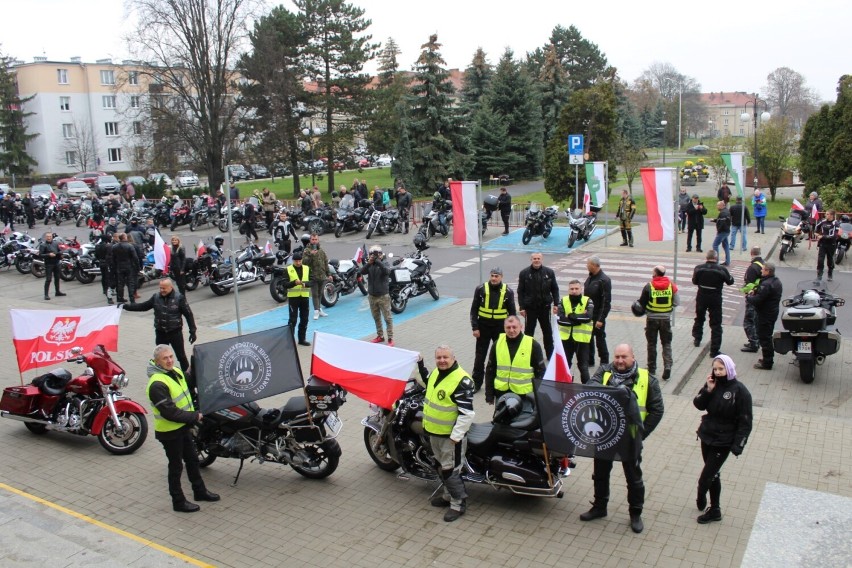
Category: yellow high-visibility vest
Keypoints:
(497, 313)
(301, 291)
(660, 301)
(516, 374)
(178, 392)
(640, 387)
(582, 332)
(439, 410)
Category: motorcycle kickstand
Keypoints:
(239, 471)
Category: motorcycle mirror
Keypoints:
(839, 302)
(390, 255)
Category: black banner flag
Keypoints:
(243, 369)
(584, 420)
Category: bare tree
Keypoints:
(188, 51)
(789, 96)
(82, 144)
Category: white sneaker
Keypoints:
(316, 314)
(322, 313)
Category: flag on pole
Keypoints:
(815, 213)
(586, 201)
(360, 254)
(659, 199)
(53, 196)
(558, 368)
(376, 373)
(596, 182)
(201, 248)
(162, 252)
(45, 337)
(797, 206)
(735, 164)
(465, 213)
(268, 248)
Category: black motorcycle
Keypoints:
(508, 453)
(354, 220)
(843, 239)
(300, 434)
(253, 265)
(539, 223)
(410, 277)
(345, 279)
(202, 213)
(383, 222)
(320, 221)
(86, 265)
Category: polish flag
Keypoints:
(268, 248)
(53, 197)
(797, 206)
(587, 201)
(465, 213)
(814, 213)
(659, 199)
(201, 248)
(45, 337)
(162, 252)
(558, 368)
(360, 254)
(377, 373)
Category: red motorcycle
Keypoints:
(91, 403)
(181, 214)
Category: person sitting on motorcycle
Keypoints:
(347, 201)
(282, 231)
(520, 353)
(221, 200)
(217, 249)
(306, 202)
(440, 205)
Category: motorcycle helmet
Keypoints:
(436, 195)
(810, 298)
(638, 309)
(420, 242)
(508, 407)
(219, 241)
(306, 239)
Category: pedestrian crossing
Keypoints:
(630, 272)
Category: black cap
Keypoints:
(297, 256)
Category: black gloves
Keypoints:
(192, 337)
(736, 450)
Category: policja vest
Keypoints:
(498, 313)
(581, 332)
(178, 392)
(516, 374)
(660, 301)
(640, 388)
(299, 291)
(439, 411)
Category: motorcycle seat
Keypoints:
(483, 437)
(53, 383)
(294, 407)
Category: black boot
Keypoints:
(623, 238)
(712, 514)
(598, 511)
(630, 237)
(183, 506)
(636, 524)
(204, 495)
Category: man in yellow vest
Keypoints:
(659, 298)
(514, 361)
(298, 296)
(574, 317)
(492, 303)
(623, 372)
(174, 415)
(447, 416)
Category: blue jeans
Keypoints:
(722, 239)
(733, 242)
(760, 223)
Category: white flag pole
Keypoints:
(675, 192)
(479, 224)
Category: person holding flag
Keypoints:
(625, 213)
(515, 360)
(574, 320)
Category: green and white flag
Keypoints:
(596, 182)
(736, 165)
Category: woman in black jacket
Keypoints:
(177, 265)
(724, 430)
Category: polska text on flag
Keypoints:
(658, 184)
(465, 213)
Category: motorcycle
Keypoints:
(203, 214)
(507, 453)
(432, 224)
(84, 214)
(410, 277)
(149, 270)
(321, 221)
(16, 251)
(252, 265)
(66, 263)
(345, 278)
(181, 214)
(792, 233)
(843, 240)
(384, 222)
(91, 403)
(581, 225)
(538, 222)
(87, 266)
(300, 434)
(808, 320)
(355, 219)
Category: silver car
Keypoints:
(106, 184)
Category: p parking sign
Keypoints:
(575, 149)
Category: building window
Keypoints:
(727, 111)
(742, 131)
(107, 77)
(109, 101)
(68, 131)
(64, 103)
(70, 158)
(134, 102)
(137, 128)
(114, 154)
(726, 123)
(133, 77)
(111, 128)
(62, 76)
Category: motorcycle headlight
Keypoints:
(120, 381)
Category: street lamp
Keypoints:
(664, 123)
(309, 132)
(755, 103)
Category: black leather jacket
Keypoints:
(767, 298)
(728, 421)
(711, 277)
(598, 287)
(124, 257)
(537, 288)
(168, 311)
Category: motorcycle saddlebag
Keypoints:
(321, 394)
(19, 400)
(828, 342)
(507, 469)
(805, 319)
(782, 342)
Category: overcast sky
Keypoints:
(725, 45)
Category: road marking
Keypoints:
(101, 524)
(447, 270)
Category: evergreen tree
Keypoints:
(402, 167)
(383, 118)
(552, 86)
(477, 78)
(14, 158)
(488, 139)
(388, 62)
(581, 59)
(826, 145)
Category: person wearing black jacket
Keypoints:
(282, 232)
(598, 287)
(724, 430)
(50, 254)
(723, 231)
(492, 303)
(504, 204)
(740, 220)
(767, 303)
(170, 307)
(102, 254)
(177, 264)
(710, 279)
(125, 266)
(403, 206)
(695, 213)
(378, 294)
(538, 296)
(513, 339)
(249, 218)
(576, 325)
(752, 281)
(29, 209)
(828, 231)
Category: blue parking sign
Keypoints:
(575, 149)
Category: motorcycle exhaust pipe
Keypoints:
(18, 417)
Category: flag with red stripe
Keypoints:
(659, 199)
(558, 368)
(162, 252)
(465, 213)
(797, 206)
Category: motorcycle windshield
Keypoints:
(822, 286)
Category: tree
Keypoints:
(837, 196)
(581, 59)
(335, 55)
(553, 88)
(775, 148)
(432, 124)
(631, 159)
(14, 158)
(383, 118)
(825, 148)
(789, 96)
(477, 79)
(188, 51)
(82, 144)
(488, 140)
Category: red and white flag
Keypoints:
(45, 337)
(377, 373)
(360, 254)
(587, 201)
(797, 206)
(162, 252)
(201, 248)
(53, 197)
(815, 213)
(558, 368)
(659, 199)
(465, 213)
(268, 248)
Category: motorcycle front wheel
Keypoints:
(572, 238)
(785, 248)
(807, 370)
(205, 458)
(547, 229)
(378, 450)
(433, 291)
(37, 270)
(193, 225)
(23, 265)
(398, 304)
(277, 289)
(316, 226)
(324, 459)
(129, 439)
(330, 295)
(527, 237)
(362, 284)
(83, 277)
(192, 281)
(370, 229)
(222, 225)
(841, 252)
(80, 221)
(338, 230)
(66, 272)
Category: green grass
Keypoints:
(283, 187)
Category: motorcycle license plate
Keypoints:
(333, 423)
(804, 347)
(402, 275)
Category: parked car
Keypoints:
(167, 181)
(42, 190)
(364, 162)
(257, 171)
(281, 170)
(77, 188)
(339, 166)
(186, 178)
(237, 172)
(107, 184)
(136, 180)
(698, 150)
(88, 177)
(383, 161)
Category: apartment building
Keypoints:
(724, 111)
